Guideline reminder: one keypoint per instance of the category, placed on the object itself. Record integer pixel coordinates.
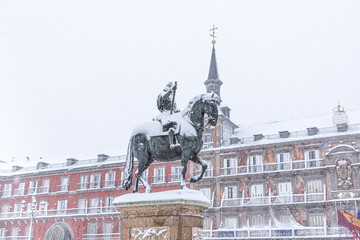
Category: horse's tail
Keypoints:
(129, 168)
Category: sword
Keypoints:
(173, 100)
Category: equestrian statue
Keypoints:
(171, 136)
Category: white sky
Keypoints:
(77, 76)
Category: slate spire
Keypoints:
(213, 83)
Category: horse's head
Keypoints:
(210, 107)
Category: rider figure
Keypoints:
(166, 105)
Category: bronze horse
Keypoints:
(148, 141)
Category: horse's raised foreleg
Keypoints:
(204, 166)
(184, 161)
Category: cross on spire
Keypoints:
(213, 33)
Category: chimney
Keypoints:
(102, 157)
(16, 168)
(71, 161)
(41, 165)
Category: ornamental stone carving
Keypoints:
(197, 233)
(344, 175)
(153, 233)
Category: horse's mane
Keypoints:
(187, 110)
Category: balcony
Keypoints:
(273, 167)
(19, 192)
(95, 185)
(44, 189)
(278, 233)
(63, 188)
(175, 177)
(208, 173)
(104, 236)
(32, 190)
(274, 200)
(6, 193)
(158, 179)
(61, 212)
(82, 186)
(110, 184)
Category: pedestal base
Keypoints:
(175, 215)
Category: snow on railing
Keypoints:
(208, 173)
(273, 167)
(268, 232)
(62, 212)
(102, 236)
(273, 200)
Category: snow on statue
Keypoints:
(171, 136)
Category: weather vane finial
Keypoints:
(213, 34)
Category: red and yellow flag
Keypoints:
(353, 220)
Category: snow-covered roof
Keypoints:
(30, 166)
(293, 125)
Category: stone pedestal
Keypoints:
(175, 215)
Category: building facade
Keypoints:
(281, 180)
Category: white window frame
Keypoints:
(82, 205)
(315, 186)
(84, 180)
(257, 190)
(45, 188)
(109, 203)
(94, 205)
(257, 220)
(7, 189)
(312, 158)
(64, 184)
(256, 163)
(206, 192)
(316, 220)
(108, 229)
(175, 173)
(110, 179)
(21, 189)
(283, 160)
(92, 229)
(230, 192)
(2, 232)
(230, 166)
(33, 187)
(62, 206)
(230, 223)
(95, 180)
(159, 174)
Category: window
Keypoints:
(83, 182)
(285, 192)
(206, 138)
(283, 160)
(315, 186)
(21, 189)
(2, 232)
(45, 186)
(159, 175)
(33, 185)
(316, 220)
(230, 166)
(43, 207)
(145, 175)
(26, 230)
(257, 190)
(312, 158)
(7, 190)
(94, 205)
(256, 163)
(230, 223)
(82, 202)
(61, 207)
(95, 180)
(110, 178)
(207, 223)
(5, 209)
(257, 220)
(64, 184)
(107, 230)
(175, 173)
(92, 229)
(206, 192)
(109, 203)
(122, 178)
(230, 192)
(14, 232)
(18, 207)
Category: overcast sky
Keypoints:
(77, 76)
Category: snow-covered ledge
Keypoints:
(175, 214)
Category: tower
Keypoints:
(213, 83)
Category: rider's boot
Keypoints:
(172, 139)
